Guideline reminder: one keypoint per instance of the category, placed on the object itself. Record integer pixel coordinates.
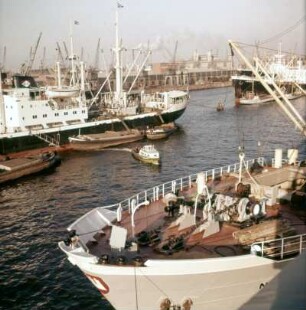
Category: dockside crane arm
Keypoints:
(32, 56)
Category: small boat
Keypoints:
(147, 154)
(13, 169)
(62, 92)
(160, 132)
(220, 106)
(104, 140)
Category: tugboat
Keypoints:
(220, 106)
(147, 154)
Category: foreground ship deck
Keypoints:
(201, 241)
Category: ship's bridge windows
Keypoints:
(22, 107)
(75, 112)
(56, 114)
(65, 113)
(23, 118)
(34, 116)
(44, 115)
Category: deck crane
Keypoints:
(32, 55)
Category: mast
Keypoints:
(59, 82)
(117, 50)
(72, 57)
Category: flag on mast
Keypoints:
(76, 22)
(119, 5)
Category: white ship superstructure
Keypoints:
(26, 109)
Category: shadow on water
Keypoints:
(36, 211)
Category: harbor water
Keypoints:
(35, 212)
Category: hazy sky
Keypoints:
(197, 25)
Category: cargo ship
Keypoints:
(288, 72)
(33, 117)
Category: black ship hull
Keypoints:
(246, 87)
(29, 142)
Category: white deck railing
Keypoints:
(95, 220)
(280, 248)
(161, 190)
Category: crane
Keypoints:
(175, 51)
(32, 55)
(66, 50)
(60, 54)
(3, 59)
(43, 60)
(97, 57)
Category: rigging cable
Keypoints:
(154, 284)
(240, 133)
(136, 292)
(284, 32)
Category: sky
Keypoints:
(199, 25)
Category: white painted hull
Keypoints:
(255, 101)
(213, 284)
(258, 100)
